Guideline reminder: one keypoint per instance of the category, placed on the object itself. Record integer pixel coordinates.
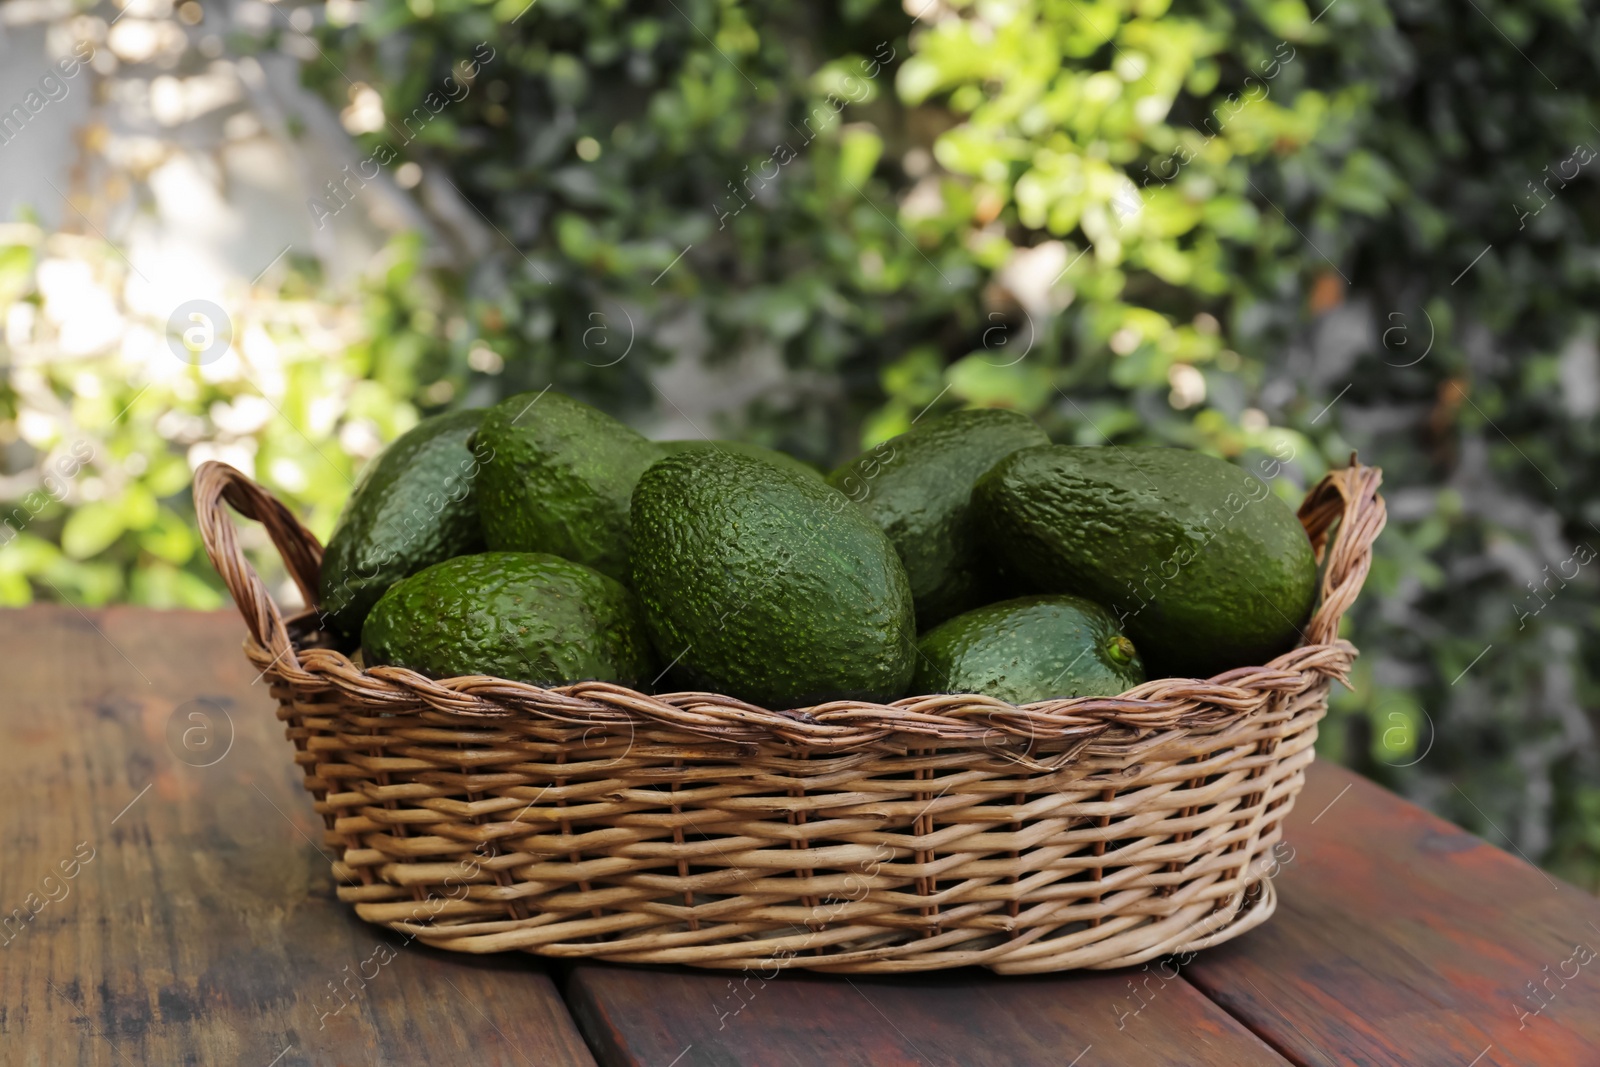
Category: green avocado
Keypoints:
(1027, 649)
(557, 475)
(524, 616)
(1202, 565)
(772, 455)
(918, 487)
(414, 505)
(763, 583)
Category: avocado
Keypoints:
(557, 477)
(764, 583)
(1027, 649)
(414, 505)
(1201, 564)
(918, 486)
(772, 455)
(524, 616)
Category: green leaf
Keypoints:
(92, 528)
(986, 381)
(859, 150)
(169, 538)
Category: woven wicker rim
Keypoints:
(1343, 515)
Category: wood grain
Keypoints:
(163, 900)
(1401, 939)
(199, 923)
(965, 1018)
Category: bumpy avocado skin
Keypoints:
(414, 505)
(1205, 569)
(764, 583)
(1027, 649)
(524, 616)
(743, 448)
(918, 488)
(557, 479)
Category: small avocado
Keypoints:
(414, 505)
(772, 455)
(762, 582)
(1027, 649)
(1202, 565)
(524, 616)
(557, 476)
(918, 486)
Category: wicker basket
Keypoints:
(483, 815)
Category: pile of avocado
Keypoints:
(543, 541)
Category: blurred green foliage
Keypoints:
(1264, 229)
(307, 388)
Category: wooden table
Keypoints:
(163, 900)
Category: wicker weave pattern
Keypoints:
(483, 815)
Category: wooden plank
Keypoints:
(167, 902)
(671, 1016)
(1400, 938)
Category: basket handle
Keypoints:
(1350, 498)
(301, 551)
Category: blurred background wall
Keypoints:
(1263, 228)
